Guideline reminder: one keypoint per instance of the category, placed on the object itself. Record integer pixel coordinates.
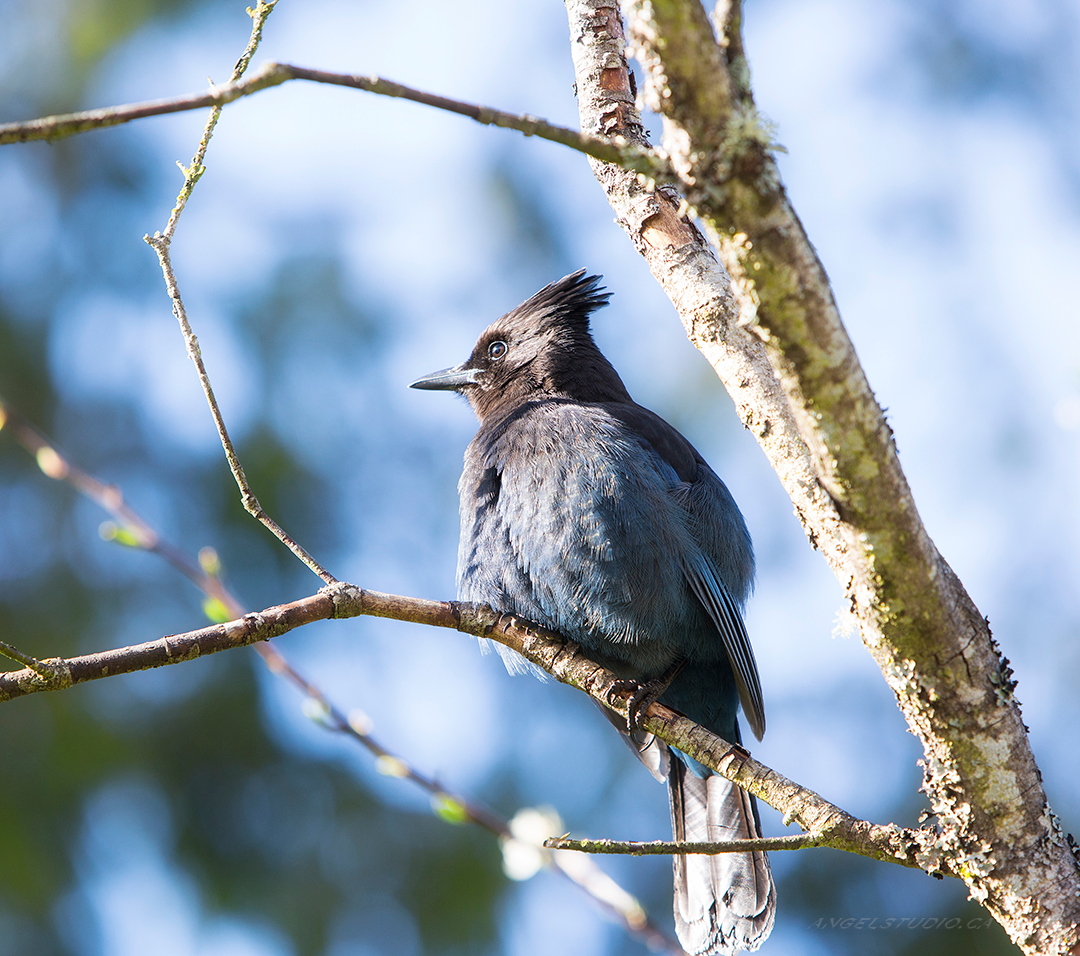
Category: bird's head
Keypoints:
(542, 348)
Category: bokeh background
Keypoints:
(340, 245)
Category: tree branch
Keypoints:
(274, 74)
(769, 325)
(160, 244)
(827, 824)
(799, 841)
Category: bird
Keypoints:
(590, 515)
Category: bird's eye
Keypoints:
(497, 350)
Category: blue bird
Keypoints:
(592, 516)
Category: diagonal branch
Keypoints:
(47, 671)
(192, 173)
(160, 244)
(766, 319)
(133, 530)
(827, 824)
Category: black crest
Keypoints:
(568, 301)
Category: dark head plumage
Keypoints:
(542, 348)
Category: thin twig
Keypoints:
(355, 725)
(133, 530)
(160, 243)
(453, 806)
(798, 841)
(456, 808)
(250, 502)
(137, 532)
(616, 150)
(46, 669)
(193, 172)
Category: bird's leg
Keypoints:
(644, 693)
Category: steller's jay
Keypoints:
(590, 515)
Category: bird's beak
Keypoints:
(449, 379)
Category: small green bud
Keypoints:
(449, 809)
(216, 610)
(110, 531)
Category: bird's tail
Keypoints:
(726, 902)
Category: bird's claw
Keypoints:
(643, 694)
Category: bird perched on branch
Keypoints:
(590, 515)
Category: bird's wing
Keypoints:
(723, 562)
(714, 596)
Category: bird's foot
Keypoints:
(643, 694)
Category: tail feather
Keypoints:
(726, 902)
